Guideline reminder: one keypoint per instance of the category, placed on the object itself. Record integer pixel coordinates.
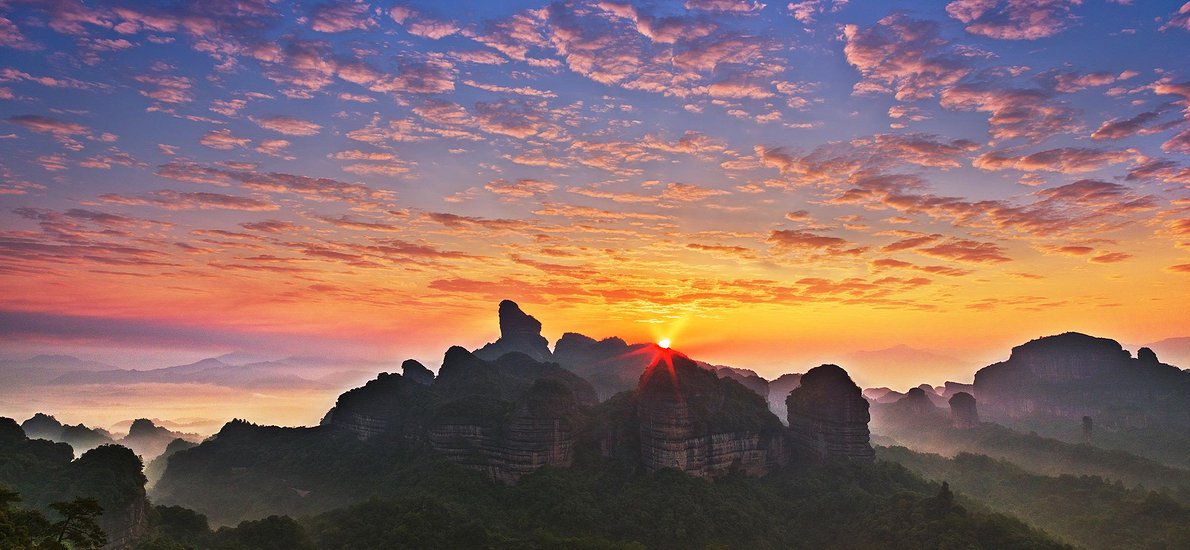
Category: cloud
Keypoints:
(455, 221)
(420, 25)
(904, 56)
(1179, 20)
(274, 148)
(1066, 160)
(341, 16)
(1142, 124)
(166, 88)
(521, 188)
(1013, 19)
(806, 10)
(288, 125)
(222, 140)
(966, 250)
(1013, 112)
(316, 189)
(176, 200)
(684, 192)
(46, 125)
(1179, 143)
(272, 226)
(791, 239)
(732, 6)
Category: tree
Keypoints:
(78, 524)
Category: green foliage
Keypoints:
(29, 529)
(78, 525)
(271, 533)
(1087, 510)
(1042, 455)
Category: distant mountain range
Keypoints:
(232, 370)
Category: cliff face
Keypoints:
(963, 412)
(540, 431)
(916, 402)
(505, 417)
(693, 421)
(519, 332)
(1074, 375)
(828, 416)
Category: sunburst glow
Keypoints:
(664, 343)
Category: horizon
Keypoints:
(768, 186)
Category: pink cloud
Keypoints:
(733, 6)
(288, 125)
(341, 16)
(222, 140)
(1013, 19)
(904, 56)
(176, 200)
(1066, 160)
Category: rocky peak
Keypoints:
(916, 402)
(828, 415)
(143, 427)
(963, 412)
(692, 420)
(1146, 355)
(417, 372)
(1069, 356)
(42, 426)
(520, 332)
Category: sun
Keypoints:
(664, 343)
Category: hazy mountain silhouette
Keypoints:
(611, 432)
(79, 437)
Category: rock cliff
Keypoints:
(828, 416)
(694, 421)
(505, 417)
(519, 332)
(963, 412)
(1073, 375)
(917, 402)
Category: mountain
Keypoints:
(691, 420)
(156, 468)
(1174, 350)
(828, 416)
(79, 437)
(43, 472)
(511, 416)
(150, 440)
(519, 332)
(43, 368)
(1092, 512)
(207, 371)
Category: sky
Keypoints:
(769, 185)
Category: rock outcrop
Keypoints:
(150, 440)
(963, 412)
(1073, 375)
(828, 416)
(417, 372)
(916, 402)
(704, 425)
(505, 417)
(519, 332)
